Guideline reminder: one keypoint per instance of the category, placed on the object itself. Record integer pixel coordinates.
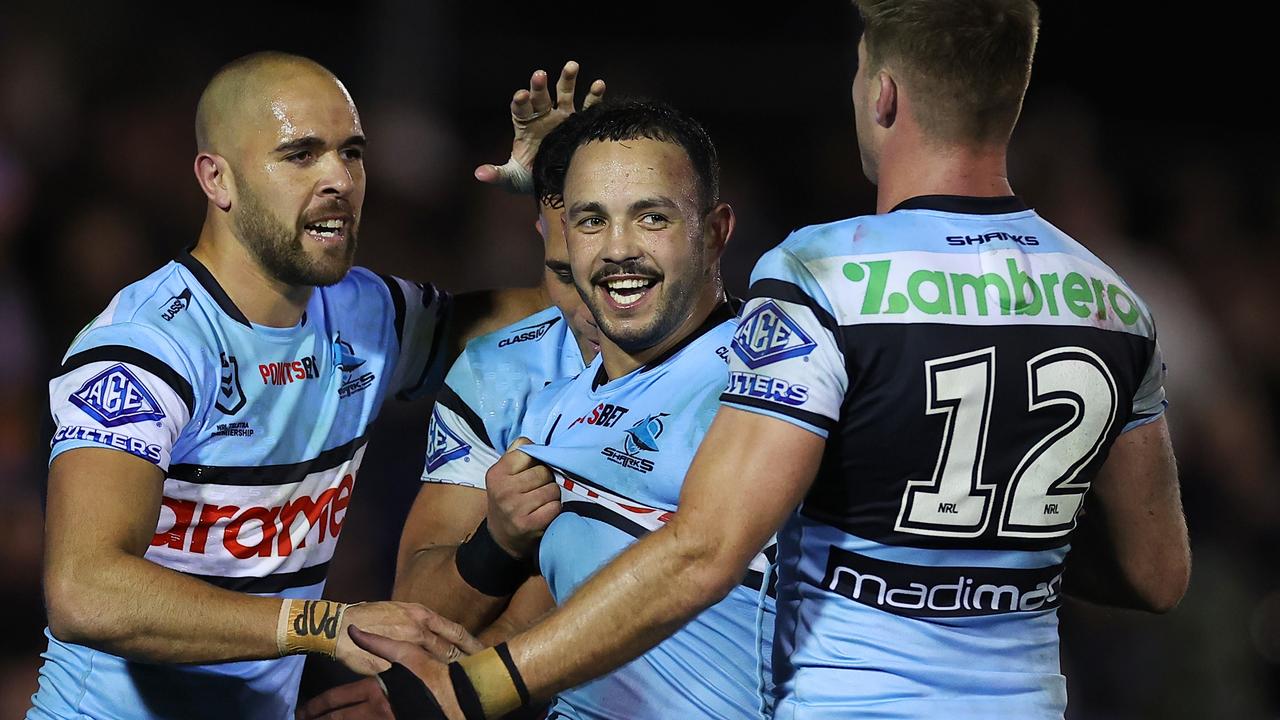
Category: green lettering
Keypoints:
(1076, 295)
(941, 303)
(959, 281)
(1128, 315)
(1050, 281)
(1100, 294)
(1020, 282)
(875, 287)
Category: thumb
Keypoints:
(488, 174)
(384, 647)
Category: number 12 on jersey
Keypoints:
(1043, 494)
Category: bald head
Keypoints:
(243, 89)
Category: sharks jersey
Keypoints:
(969, 366)
(479, 410)
(259, 431)
(620, 450)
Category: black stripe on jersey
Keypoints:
(788, 292)
(211, 286)
(436, 356)
(964, 204)
(584, 508)
(397, 302)
(269, 584)
(266, 474)
(449, 399)
(134, 356)
(814, 419)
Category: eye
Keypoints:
(353, 153)
(654, 220)
(564, 276)
(590, 223)
(300, 157)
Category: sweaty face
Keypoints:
(300, 180)
(634, 228)
(558, 281)
(864, 116)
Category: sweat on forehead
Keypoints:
(238, 87)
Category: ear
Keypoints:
(719, 228)
(887, 100)
(214, 175)
(540, 226)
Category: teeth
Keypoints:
(624, 300)
(627, 284)
(330, 224)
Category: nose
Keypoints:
(620, 245)
(335, 176)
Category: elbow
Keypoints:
(75, 615)
(710, 572)
(1167, 588)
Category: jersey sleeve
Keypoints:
(123, 387)
(787, 359)
(460, 448)
(1149, 401)
(422, 313)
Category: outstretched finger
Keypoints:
(540, 97)
(595, 94)
(384, 647)
(566, 85)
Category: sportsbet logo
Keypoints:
(1013, 292)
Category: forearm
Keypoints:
(430, 577)
(131, 607)
(530, 604)
(641, 597)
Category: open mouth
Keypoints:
(327, 231)
(626, 291)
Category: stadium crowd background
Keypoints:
(1148, 137)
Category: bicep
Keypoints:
(101, 499)
(750, 473)
(442, 514)
(1137, 486)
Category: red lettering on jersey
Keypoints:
(209, 515)
(174, 537)
(231, 535)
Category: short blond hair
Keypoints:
(966, 62)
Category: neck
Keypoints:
(263, 299)
(619, 362)
(916, 167)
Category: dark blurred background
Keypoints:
(1149, 137)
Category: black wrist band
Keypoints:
(409, 697)
(514, 672)
(485, 566)
(465, 693)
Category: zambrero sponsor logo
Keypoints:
(1014, 291)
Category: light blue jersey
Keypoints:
(260, 432)
(479, 410)
(620, 450)
(970, 367)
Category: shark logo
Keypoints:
(344, 356)
(230, 395)
(644, 435)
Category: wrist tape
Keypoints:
(309, 626)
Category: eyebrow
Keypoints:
(311, 142)
(658, 201)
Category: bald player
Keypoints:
(211, 423)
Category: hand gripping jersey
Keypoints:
(260, 432)
(479, 410)
(620, 451)
(970, 366)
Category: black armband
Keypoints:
(485, 566)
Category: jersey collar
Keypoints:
(964, 204)
(722, 312)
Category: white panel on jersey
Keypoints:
(455, 455)
(116, 405)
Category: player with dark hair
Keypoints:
(919, 402)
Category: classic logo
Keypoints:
(116, 397)
(177, 304)
(443, 444)
(525, 334)
(767, 335)
(230, 395)
(643, 436)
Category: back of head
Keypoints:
(965, 63)
(635, 119)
